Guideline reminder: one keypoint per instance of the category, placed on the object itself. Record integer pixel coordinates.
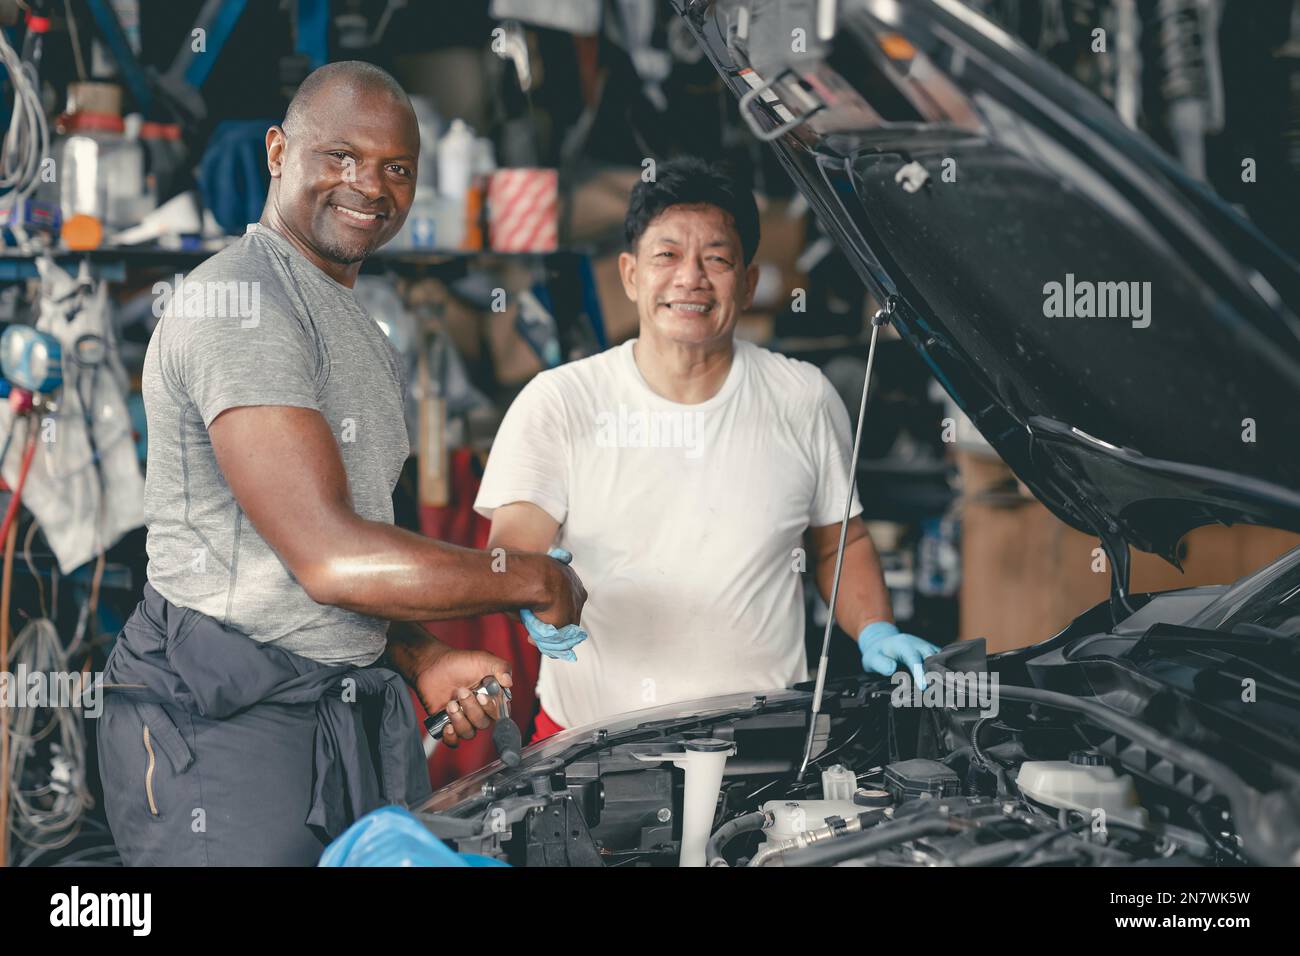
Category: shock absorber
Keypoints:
(1128, 62)
(1290, 55)
(1188, 34)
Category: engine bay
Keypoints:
(1051, 779)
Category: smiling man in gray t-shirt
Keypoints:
(276, 437)
(305, 343)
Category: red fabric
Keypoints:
(458, 523)
(544, 726)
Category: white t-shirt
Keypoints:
(683, 521)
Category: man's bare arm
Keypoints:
(283, 466)
(863, 597)
(412, 649)
(522, 526)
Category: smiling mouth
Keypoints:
(689, 308)
(361, 218)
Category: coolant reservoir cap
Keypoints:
(1087, 758)
(865, 797)
(708, 745)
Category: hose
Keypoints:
(771, 849)
(975, 743)
(27, 140)
(49, 799)
(729, 831)
(868, 841)
(4, 449)
(12, 511)
(832, 831)
(10, 538)
(9, 535)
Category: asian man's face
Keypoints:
(688, 276)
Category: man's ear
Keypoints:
(275, 151)
(751, 285)
(627, 272)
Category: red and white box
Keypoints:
(523, 210)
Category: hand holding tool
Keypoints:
(505, 733)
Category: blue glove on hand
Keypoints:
(884, 648)
(555, 642)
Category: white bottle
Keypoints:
(456, 155)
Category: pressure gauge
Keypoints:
(30, 359)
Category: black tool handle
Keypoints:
(508, 741)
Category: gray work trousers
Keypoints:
(216, 750)
(181, 789)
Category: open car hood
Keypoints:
(1001, 209)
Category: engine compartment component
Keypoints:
(792, 817)
(1091, 787)
(912, 779)
(703, 762)
(1109, 745)
(1054, 779)
(838, 783)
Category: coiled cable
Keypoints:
(47, 802)
(27, 141)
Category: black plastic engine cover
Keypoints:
(911, 779)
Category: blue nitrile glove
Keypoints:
(554, 642)
(884, 648)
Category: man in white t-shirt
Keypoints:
(687, 474)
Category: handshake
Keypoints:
(558, 642)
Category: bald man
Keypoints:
(248, 720)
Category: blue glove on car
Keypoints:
(884, 648)
(554, 642)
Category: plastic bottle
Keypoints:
(101, 178)
(456, 157)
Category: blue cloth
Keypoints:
(392, 836)
(555, 642)
(233, 178)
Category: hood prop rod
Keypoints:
(1118, 554)
(882, 317)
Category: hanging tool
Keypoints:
(882, 317)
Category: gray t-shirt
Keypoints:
(258, 324)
